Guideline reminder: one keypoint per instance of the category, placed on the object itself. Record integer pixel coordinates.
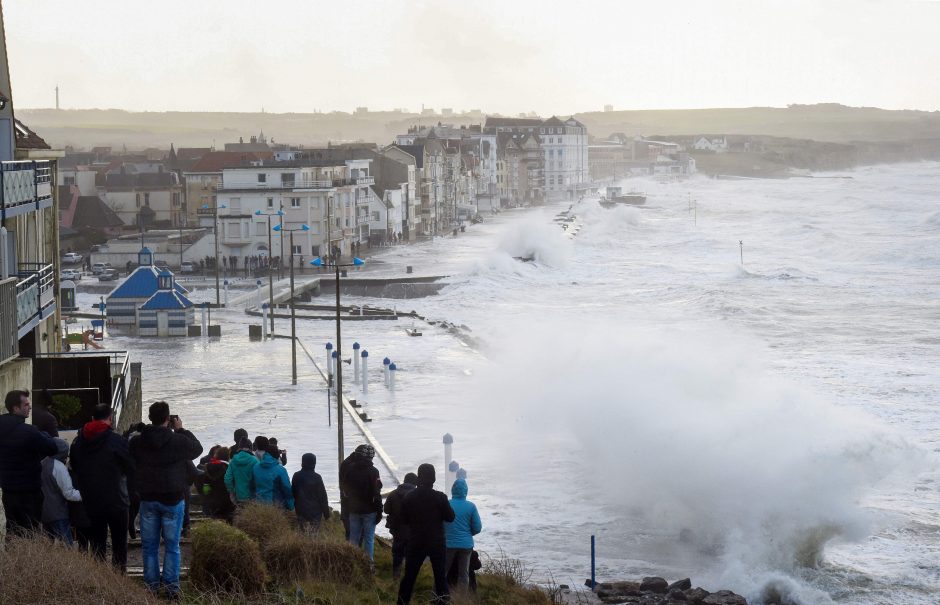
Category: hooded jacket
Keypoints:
(22, 448)
(310, 501)
(239, 476)
(211, 485)
(163, 458)
(360, 485)
(272, 485)
(393, 507)
(102, 466)
(424, 511)
(57, 488)
(466, 523)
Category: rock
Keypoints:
(724, 597)
(681, 584)
(654, 584)
(676, 594)
(617, 592)
(696, 595)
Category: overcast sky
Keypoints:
(503, 56)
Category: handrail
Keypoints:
(119, 364)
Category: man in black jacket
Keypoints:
(393, 521)
(310, 501)
(22, 448)
(423, 512)
(359, 482)
(103, 468)
(163, 454)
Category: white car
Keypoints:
(98, 268)
(71, 274)
(71, 258)
(187, 267)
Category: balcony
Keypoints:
(9, 342)
(25, 186)
(294, 184)
(35, 296)
(93, 376)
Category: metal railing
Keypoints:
(9, 315)
(293, 184)
(34, 291)
(25, 182)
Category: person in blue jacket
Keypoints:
(272, 485)
(460, 532)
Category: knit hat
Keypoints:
(366, 450)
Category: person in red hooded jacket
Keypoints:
(103, 469)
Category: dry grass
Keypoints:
(226, 559)
(263, 522)
(295, 557)
(37, 571)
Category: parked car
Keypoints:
(72, 258)
(98, 268)
(108, 275)
(72, 274)
(187, 267)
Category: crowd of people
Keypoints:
(149, 472)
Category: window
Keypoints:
(137, 200)
(176, 199)
(551, 180)
(295, 202)
(261, 228)
(287, 179)
(375, 216)
(69, 180)
(270, 202)
(262, 178)
(296, 249)
(146, 199)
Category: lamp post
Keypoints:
(293, 318)
(357, 262)
(215, 225)
(270, 274)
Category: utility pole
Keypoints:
(741, 246)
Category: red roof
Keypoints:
(27, 139)
(216, 161)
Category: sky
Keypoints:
(506, 56)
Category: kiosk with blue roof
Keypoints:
(151, 300)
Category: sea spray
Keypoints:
(692, 436)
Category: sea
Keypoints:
(737, 382)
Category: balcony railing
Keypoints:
(9, 341)
(34, 293)
(294, 184)
(23, 183)
(119, 363)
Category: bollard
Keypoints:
(593, 567)
(225, 284)
(329, 358)
(258, 292)
(356, 362)
(391, 376)
(204, 324)
(462, 473)
(452, 469)
(335, 365)
(385, 363)
(448, 458)
(365, 373)
(264, 321)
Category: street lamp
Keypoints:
(215, 225)
(270, 274)
(357, 262)
(293, 321)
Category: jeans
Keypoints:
(60, 530)
(362, 532)
(398, 554)
(415, 553)
(161, 520)
(462, 556)
(116, 522)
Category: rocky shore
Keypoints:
(651, 591)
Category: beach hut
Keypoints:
(167, 312)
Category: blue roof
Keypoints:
(145, 250)
(166, 300)
(142, 283)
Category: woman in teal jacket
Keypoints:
(460, 532)
(272, 485)
(239, 476)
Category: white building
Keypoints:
(716, 144)
(312, 193)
